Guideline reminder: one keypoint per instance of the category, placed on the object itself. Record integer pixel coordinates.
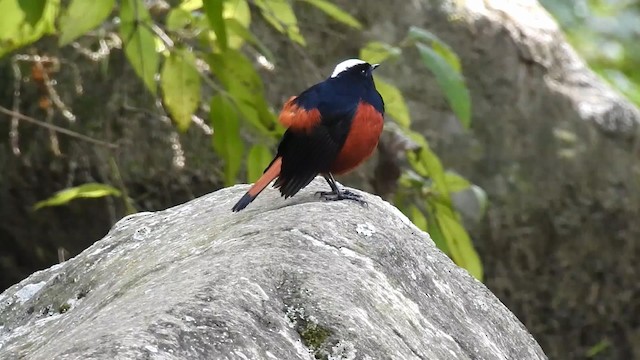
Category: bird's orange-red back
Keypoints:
(297, 118)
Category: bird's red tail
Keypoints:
(271, 173)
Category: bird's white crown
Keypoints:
(343, 66)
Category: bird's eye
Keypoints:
(363, 71)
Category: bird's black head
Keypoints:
(354, 69)
(352, 82)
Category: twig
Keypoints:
(39, 61)
(14, 133)
(61, 130)
(161, 34)
(128, 202)
(53, 137)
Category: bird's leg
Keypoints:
(337, 194)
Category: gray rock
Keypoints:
(283, 279)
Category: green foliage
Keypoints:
(598, 348)
(450, 81)
(455, 182)
(240, 79)
(259, 158)
(440, 59)
(459, 245)
(335, 12)
(213, 9)
(394, 103)
(280, 15)
(604, 32)
(425, 190)
(431, 183)
(481, 196)
(88, 190)
(139, 41)
(82, 16)
(227, 143)
(236, 28)
(418, 218)
(180, 84)
(238, 12)
(179, 19)
(24, 22)
(376, 52)
(422, 36)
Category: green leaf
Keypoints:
(268, 120)
(394, 102)
(422, 35)
(482, 198)
(458, 241)
(456, 182)
(449, 77)
(335, 12)
(244, 85)
(259, 158)
(180, 84)
(33, 11)
(178, 19)
(450, 81)
(376, 52)
(239, 12)
(13, 19)
(448, 55)
(191, 5)
(415, 156)
(82, 16)
(418, 218)
(436, 172)
(89, 190)
(139, 41)
(438, 238)
(280, 15)
(24, 22)
(226, 137)
(213, 9)
(426, 163)
(236, 28)
(598, 348)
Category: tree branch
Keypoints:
(61, 130)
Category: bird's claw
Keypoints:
(341, 195)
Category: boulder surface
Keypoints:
(283, 279)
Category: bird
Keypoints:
(331, 128)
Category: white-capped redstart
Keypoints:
(332, 127)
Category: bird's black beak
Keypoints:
(374, 66)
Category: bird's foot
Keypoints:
(341, 195)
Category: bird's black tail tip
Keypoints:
(243, 202)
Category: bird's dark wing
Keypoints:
(311, 146)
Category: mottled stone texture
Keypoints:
(284, 279)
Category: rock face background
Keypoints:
(554, 147)
(281, 280)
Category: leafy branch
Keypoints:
(425, 188)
